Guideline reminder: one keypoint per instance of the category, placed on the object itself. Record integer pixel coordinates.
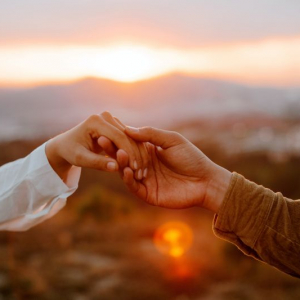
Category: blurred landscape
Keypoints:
(226, 75)
(100, 246)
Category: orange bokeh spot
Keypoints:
(173, 238)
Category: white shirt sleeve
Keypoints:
(31, 191)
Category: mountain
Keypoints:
(163, 101)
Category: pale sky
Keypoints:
(255, 41)
(172, 22)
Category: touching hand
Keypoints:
(179, 174)
(82, 146)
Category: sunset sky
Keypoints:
(255, 42)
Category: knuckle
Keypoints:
(93, 118)
(106, 115)
(93, 121)
(148, 131)
(93, 124)
(176, 136)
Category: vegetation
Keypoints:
(100, 245)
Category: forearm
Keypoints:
(261, 223)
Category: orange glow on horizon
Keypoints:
(273, 61)
(124, 63)
(173, 239)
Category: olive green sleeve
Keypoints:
(261, 223)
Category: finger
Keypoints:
(118, 137)
(122, 158)
(134, 186)
(113, 120)
(132, 148)
(143, 152)
(120, 123)
(138, 174)
(145, 158)
(129, 180)
(108, 146)
(141, 172)
(88, 159)
(142, 159)
(96, 148)
(163, 138)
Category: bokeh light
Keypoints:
(173, 238)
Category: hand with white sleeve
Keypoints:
(36, 187)
(82, 146)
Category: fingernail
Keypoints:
(140, 174)
(111, 166)
(135, 165)
(133, 129)
(145, 173)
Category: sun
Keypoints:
(127, 63)
(118, 62)
(173, 238)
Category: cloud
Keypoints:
(175, 23)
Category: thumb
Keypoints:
(92, 160)
(158, 137)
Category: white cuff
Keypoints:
(34, 192)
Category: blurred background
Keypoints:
(224, 74)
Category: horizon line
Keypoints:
(42, 83)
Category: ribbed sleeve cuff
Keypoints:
(244, 213)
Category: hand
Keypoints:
(179, 174)
(81, 146)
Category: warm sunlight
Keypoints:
(273, 61)
(173, 238)
(127, 63)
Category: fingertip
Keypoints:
(122, 158)
(128, 175)
(139, 174)
(145, 173)
(144, 155)
(122, 152)
(112, 166)
(133, 163)
(102, 140)
(128, 171)
(107, 146)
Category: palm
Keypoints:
(176, 177)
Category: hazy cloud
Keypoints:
(170, 22)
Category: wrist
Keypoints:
(56, 161)
(217, 188)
